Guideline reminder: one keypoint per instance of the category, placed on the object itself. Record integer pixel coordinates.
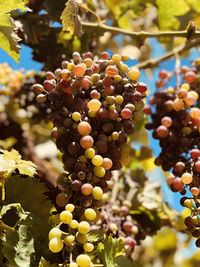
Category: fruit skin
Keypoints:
(55, 232)
(97, 193)
(55, 245)
(83, 260)
(84, 227)
(66, 216)
(90, 214)
(134, 74)
(88, 247)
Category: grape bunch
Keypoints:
(175, 122)
(94, 105)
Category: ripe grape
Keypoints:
(97, 160)
(55, 232)
(70, 207)
(83, 260)
(186, 178)
(88, 247)
(134, 74)
(55, 245)
(94, 105)
(97, 193)
(99, 171)
(84, 227)
(84, 128)
(86, 141)
(68, 240)
(73, 224)
(111, 71)
(66, 216)
(90, 214)
(87, 189)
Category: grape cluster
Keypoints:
(95, 103)
(115, 220)
(175, 122)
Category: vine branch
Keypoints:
(179, 50)
(102, 28)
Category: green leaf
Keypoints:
(18, 246)
(123, 261)
(70, 19)
(95, 235)
(30, 193)
(9, 5)
(168, 12)
(109, 250)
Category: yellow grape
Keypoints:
(83, 260)
(70, 207)
(66, 216)
(97, 160)
(55, 232)
(88, 247)
(84, 227)
(90, 214)
(97, 193)
(55, 245)
(94, 105)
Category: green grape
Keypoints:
(76, 116)
(74, 224)
(90, 153)
(55, 245)
(83, 260)
(99, 171)
(84, 227)
(97, 193)
(90, 214)
(55, 232)
(66, 216)
(97, 160)
(88, 247)
(69, 239)
(70, 207)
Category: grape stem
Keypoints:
(100, 27)
(150, 63)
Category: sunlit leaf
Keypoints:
(70, 19)
(168, 11)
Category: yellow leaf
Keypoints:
(11, 155)
(70, 19)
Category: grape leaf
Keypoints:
(70, 19)
(30, 193)
(8, 38)
(11, 160)
(9, 5)
(195, 4)
(18, 246)
(109, 250)
(168, 11)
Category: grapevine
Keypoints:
(175, 122)
(93, 104)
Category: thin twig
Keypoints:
(179, 50)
